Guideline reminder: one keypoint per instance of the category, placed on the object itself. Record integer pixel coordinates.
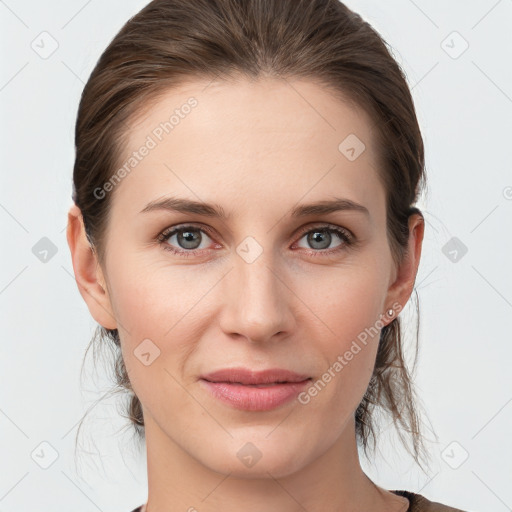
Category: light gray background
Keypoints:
(464, 104)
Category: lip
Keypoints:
(248, 376)
(250, 398)
(237, 387)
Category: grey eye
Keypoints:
(188, 238)
(319, 239)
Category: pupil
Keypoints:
(189, 241)
(316, 237)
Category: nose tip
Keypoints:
(257, 305)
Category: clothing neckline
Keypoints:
(411, 496)
(406, 494)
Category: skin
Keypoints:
(257, 149)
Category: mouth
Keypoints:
(248, 377)
(255, 397)
(265, 385)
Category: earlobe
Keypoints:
(88, 274)
(401, 289)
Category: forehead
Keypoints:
(249, 141)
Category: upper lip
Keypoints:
(248, 376)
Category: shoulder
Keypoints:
(419, 503)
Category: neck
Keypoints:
(333, 482)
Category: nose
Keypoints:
(258, 301)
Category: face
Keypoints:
(270, 284)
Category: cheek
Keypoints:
(153, 299)
(345, 300)
(158, 309)
(346, 328)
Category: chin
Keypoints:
(254, 456)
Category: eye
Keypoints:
(188, 240)
(321, 238)
(185, 239)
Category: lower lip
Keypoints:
(250, 398)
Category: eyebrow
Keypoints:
(180, 205)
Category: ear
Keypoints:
(88, 275)
(402, 286)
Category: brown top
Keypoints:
(417, 503)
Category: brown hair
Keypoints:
(171, 41)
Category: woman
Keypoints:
(244, 232)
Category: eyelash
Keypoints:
(346, 236)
